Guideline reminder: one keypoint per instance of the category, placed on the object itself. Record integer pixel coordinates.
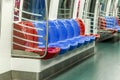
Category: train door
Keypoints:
(103, 7)
(89, 16)
(93, 13)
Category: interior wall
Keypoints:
(115, 8)
(75, 8)
(53, 12)
(96, 14)
(81, 9)
(108, 8)
(6, 31)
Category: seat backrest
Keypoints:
(53, 32)
(40, 25)
(69, 28)
(61, 29)
(75, 26)
(81, 26)
(108, 22)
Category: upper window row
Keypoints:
(35, 9)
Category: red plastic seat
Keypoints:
(16, 40)
(82, 29)
(82, 26)
(52, 52)
(102, 23)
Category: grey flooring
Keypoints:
(105, 65)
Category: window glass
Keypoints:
(36, 7)
(65, 9)
(103, 4)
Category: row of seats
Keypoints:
(64, 35)
(109, 23)
(112, 23)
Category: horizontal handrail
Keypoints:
(88, 12)
(27, 26)
(34, 14)
(22, 18)
(27, 47)
(27, 33)
(27, 40)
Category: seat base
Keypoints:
(59, 63)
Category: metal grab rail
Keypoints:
(88, 12)
(22, 11)
(46, 44)
(89, 15)
(34, 35)
(27, 40)
(22, 18)
(27, 33)
(27, 26)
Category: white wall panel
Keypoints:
(6, 31)
(75, 8)
(22, 64)
(96, 14)
(53, 12)
(81, 8)
(115, 8)
(108, 7)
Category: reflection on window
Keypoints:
(36, 7)
(16, 11)
(65, 8)
(103, 4)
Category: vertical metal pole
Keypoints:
(46, 38)
(20, 8)
(47, 18)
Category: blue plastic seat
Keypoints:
(65, 35)
(38, 7)
(54, 38)
(75, 26)
(42, 33)
(110, 23)
(116, 25)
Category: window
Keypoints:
(103, 4)
(65, 9)
(36, 7)
(92, 7)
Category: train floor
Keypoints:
(104, 65)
